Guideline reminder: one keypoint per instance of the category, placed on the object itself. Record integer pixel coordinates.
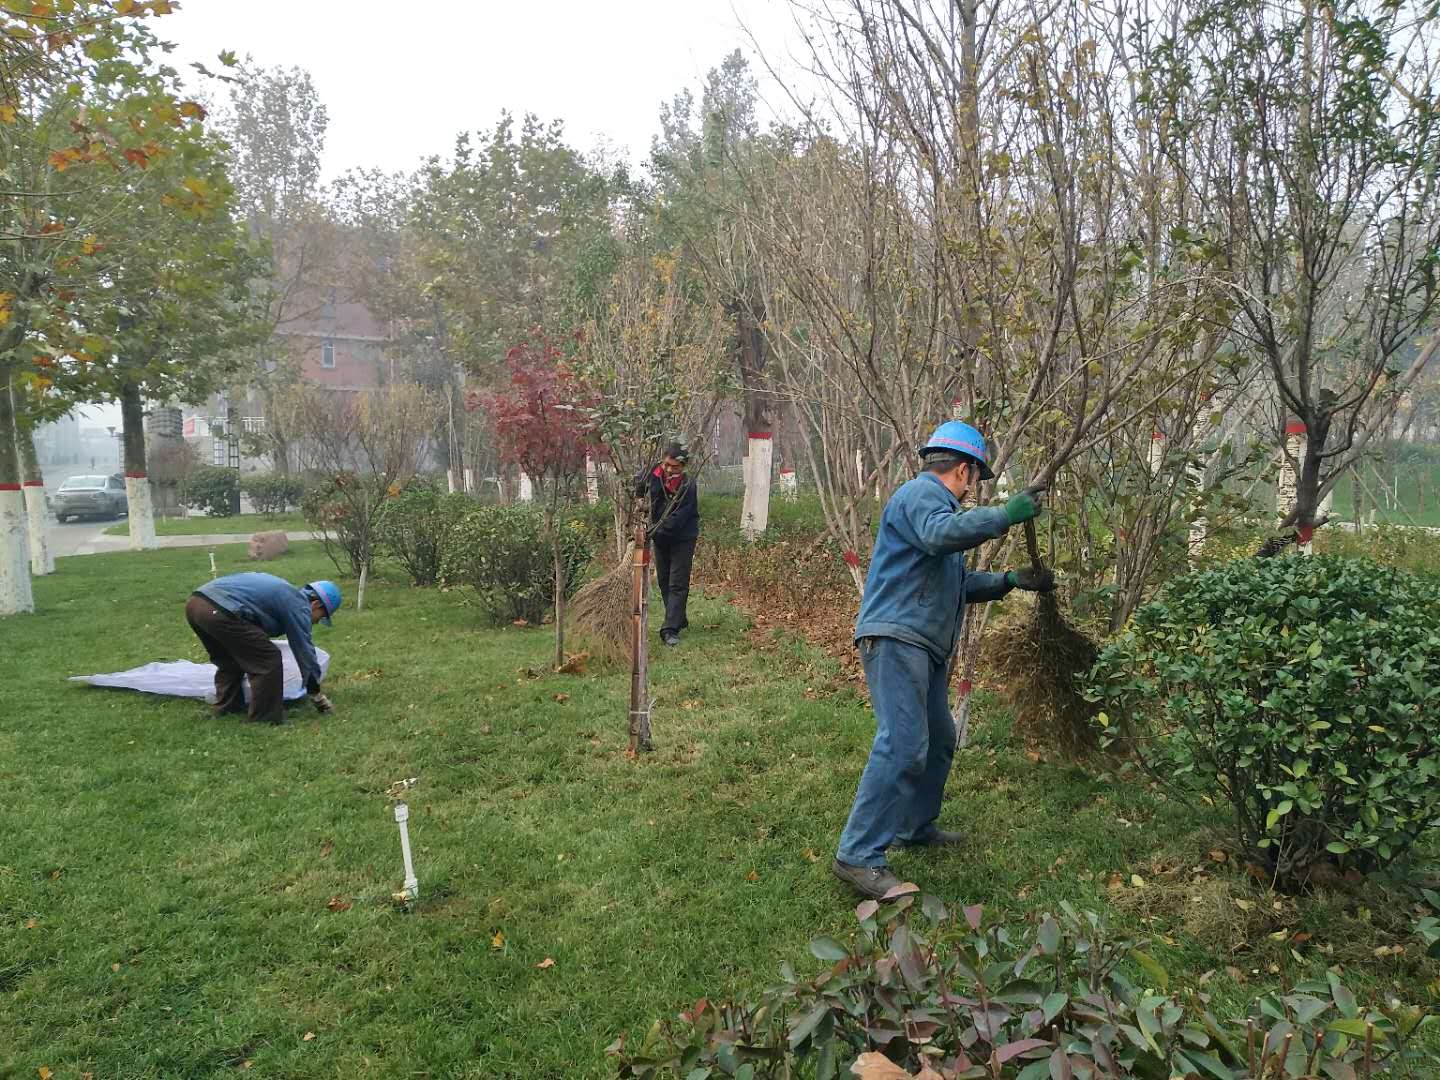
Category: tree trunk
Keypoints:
(16, 595)
(42, 562)
(137, 485)
(558, 566)
(639, 641)
(750, 354)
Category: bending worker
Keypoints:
(910, 618)
(236, 616)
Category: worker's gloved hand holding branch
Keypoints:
(1026, 505)
(1031, 580)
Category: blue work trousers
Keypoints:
(904, 780)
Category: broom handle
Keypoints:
(1032, 545)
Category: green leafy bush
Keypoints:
(211, 488)
(271, 493)
(503, 554)
(416, 526)
(941, 995)
(1304, 689)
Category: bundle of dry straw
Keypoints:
(1043, 661)
(601, 613)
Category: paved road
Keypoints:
(88, 538)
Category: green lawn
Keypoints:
(201, 525)
(1417, 494)
(180, 895)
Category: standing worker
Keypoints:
(674, 528)
(236, 616)
(909, 623)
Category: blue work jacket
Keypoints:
(274, 605)
(918, 586)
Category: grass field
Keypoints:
(181, 896)
(200, 525)
(1416, 492)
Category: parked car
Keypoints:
(97, 496)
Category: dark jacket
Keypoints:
(672, 517)
(274, 605)
(918, 586)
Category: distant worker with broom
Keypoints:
(674, 529)
(910, 619)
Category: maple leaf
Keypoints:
(546, 963)
(309, 1036)
(7, 113)
(192, 109)
(44, 1072)
(498, 941)
(337, 904)
(137, 157)
(124, 7)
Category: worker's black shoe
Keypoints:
(871, 881)
(670, 637)
(939, 838)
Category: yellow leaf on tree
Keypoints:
(7, 113)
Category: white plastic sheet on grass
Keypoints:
(185, 678)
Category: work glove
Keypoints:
(322, 704)
(1031, 580)
(1025, 505)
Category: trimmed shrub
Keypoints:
(1303, 689)
(415, 528)
(924, 992)
(272, 493)
(211, 488)
(342, 509)
(503, 554)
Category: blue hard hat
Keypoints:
(328, 593)
(958, 437)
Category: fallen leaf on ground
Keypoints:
(326, 848)
(1218, 856)
(753, 875)
(1137, 881)
(562, 698)
(546, 963)
(498, 941)
(873, 1066)
(810, 856)
(44, 1072)
(337, 904)
(29, 924)
(309, 1036)
(574, 663)
(114, 967)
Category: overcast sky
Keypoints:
(401, 80)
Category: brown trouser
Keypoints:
(238, 648)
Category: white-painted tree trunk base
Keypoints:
(755, 516)
(450, 481)
(42, 561)
(527, 489)
(789, 486)
(592, 481)
(16, 596)
(142, 513)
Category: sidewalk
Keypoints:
(99, 544)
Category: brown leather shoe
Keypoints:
(871, 881)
